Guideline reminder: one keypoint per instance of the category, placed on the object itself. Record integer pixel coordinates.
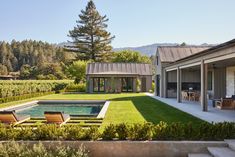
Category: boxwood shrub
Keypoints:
(145, 131)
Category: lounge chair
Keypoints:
(10, 117)
(225, 103)
(56, 117)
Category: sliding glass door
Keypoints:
(127, 84)
(98, 84)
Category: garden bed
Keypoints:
(131, 148)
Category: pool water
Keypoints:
(71, 109)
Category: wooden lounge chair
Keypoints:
(225, 103)
(56, 117)
(10, 117)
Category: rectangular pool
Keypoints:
(73, 108)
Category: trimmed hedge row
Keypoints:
(23, 87)
(72, 87)
(22, 97)
(146, 131)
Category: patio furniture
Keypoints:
(214, 101)
(184, 95)
(225, 103)
(58, 118)
(191, 96)
(10, 117)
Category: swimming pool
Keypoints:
(73, 108)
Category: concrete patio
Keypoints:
(193, 108)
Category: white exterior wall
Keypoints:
(230, 81)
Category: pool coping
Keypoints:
(101, 114)
(20, 105)
(103, 110)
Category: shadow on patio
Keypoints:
(213, 114)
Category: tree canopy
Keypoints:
(90, 39)
(127, 56)
(77, 70)
(33, 58)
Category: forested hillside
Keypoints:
(28, 55)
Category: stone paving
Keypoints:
(212, 115)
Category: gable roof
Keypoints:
(119, 68)
(174, 53)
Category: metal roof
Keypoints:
(119, 69)
(174, 53)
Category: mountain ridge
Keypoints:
(148, 50)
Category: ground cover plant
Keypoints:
(134, 132)
(13, 149)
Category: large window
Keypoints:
(209, 80)
(98, 84)
(127, 84)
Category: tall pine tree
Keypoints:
(90, 38)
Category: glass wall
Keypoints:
(127, 84)
(98, 84)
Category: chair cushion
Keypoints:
(65, 117)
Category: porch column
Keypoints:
(179, 85)
(87, 84)
(162, 83)
(204, 101)
(165, 84)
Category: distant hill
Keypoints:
(147, 49)
(151, 49)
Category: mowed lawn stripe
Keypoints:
(128, 108)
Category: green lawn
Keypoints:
(128, 108)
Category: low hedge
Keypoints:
(72, 87)
(14, 149)
(22, 97)
(146, 131)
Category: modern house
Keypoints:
(118, 77)
(209, 71)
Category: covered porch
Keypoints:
(205, 78)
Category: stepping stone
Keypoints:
(221, 152)
(199, 155)
(231, 144)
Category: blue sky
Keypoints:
(133, 22)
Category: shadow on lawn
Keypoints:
(155, 111)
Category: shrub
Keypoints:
(138, 85)
(153, 86)
(146, 131)
(49, 132)
(92, 133)
(23, 89)
(22, 97)
(72, 87)
(10, 149)
(122, 131)
(75, 133)
(140, 132)
(109, 132)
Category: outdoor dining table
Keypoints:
(191, 94)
